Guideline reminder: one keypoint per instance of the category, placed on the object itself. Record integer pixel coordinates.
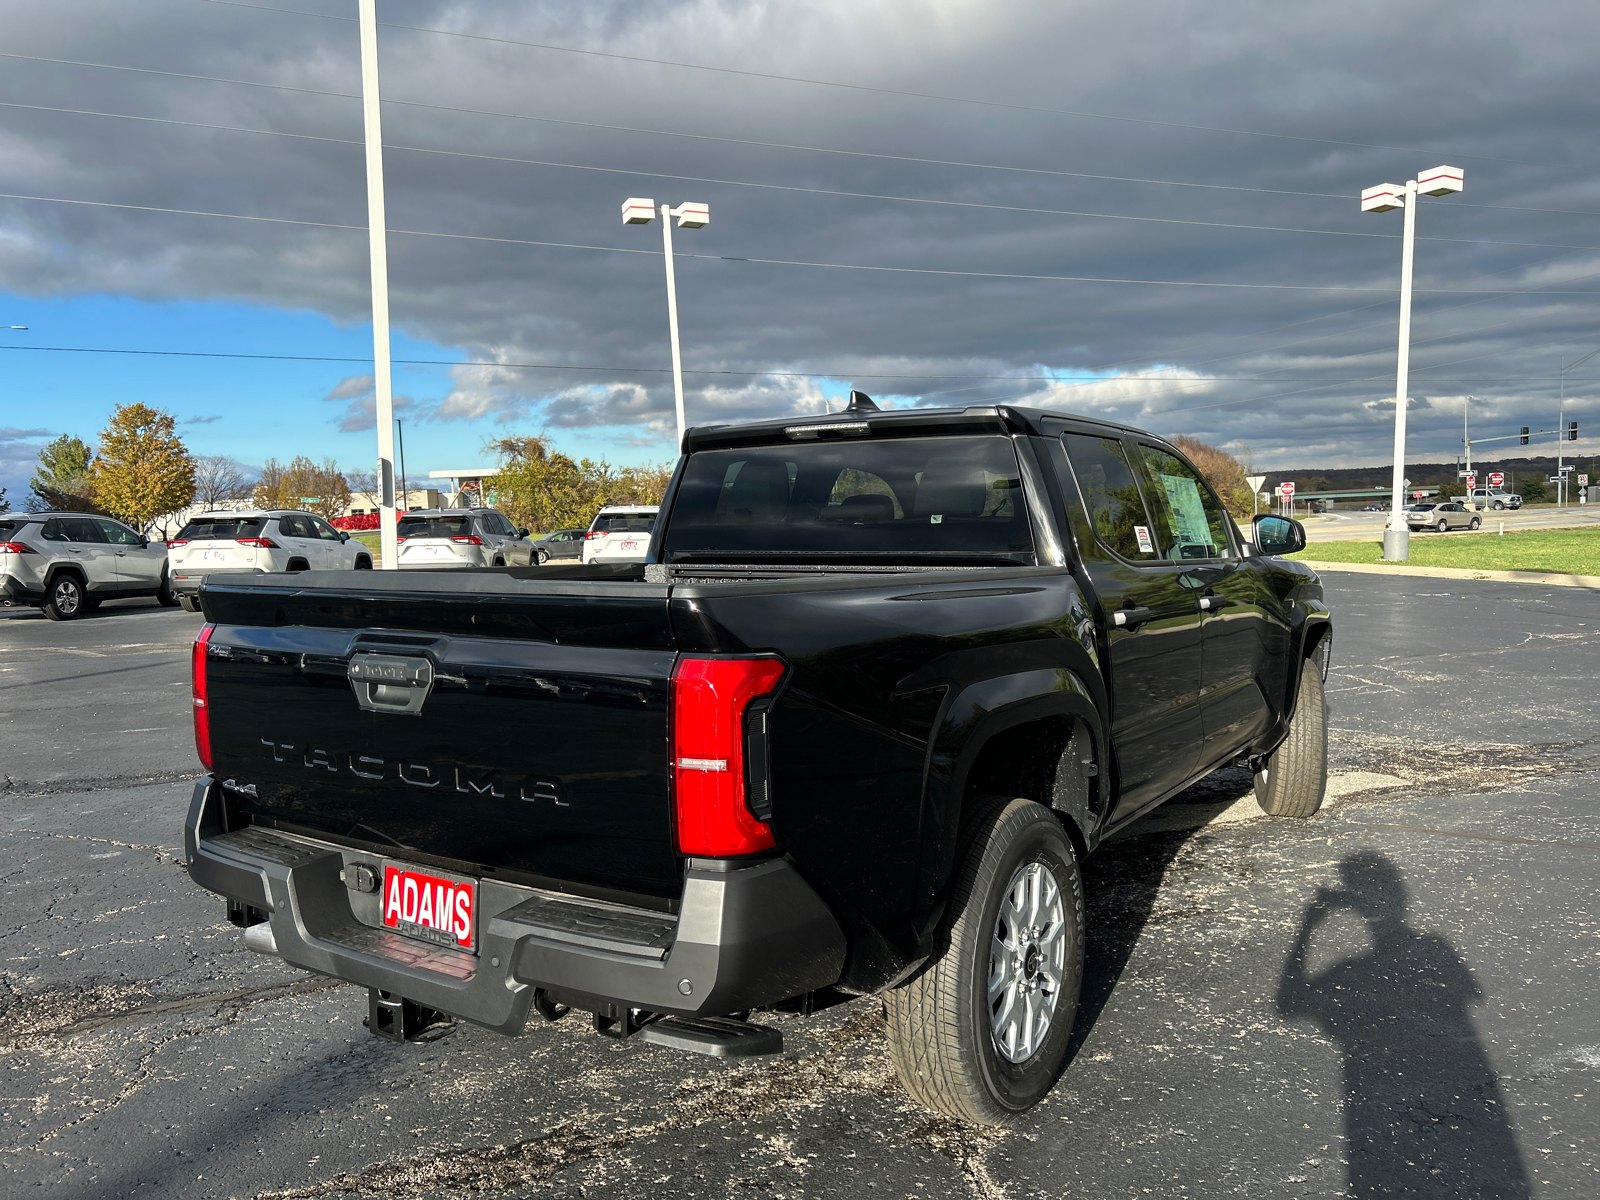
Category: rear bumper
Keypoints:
(17, 591)
(743, 937)
(186, 581)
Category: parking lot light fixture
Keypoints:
(1440, 181)
(637, 210)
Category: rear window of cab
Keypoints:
(223, 530)
(435, 527)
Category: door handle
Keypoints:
(1212, 603)
(1131, 618)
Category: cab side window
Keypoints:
(82, 529)
(53, 531)
(324, 531)
(1110, 496)
(1190, 521)
(292, 525)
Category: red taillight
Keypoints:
(399, 539)
(202, 709)
(471, 539)
(174, 543)
(258, 543)
(709, 699)
(15, 548)
(594, 533)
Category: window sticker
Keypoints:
(1146, 546)
(1189, 525)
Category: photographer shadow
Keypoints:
(1423, 1113)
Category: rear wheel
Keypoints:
(64, 599)
(1475, 523)
(1443, 526)
(981, 1033)
(1295, 777)
(165, 596)
(190, 603)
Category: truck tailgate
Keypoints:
(516, 730)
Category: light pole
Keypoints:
(378, 245)
(639, 211)
(1440, 181)
(1561, 426)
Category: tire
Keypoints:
(165, 596)
(64, 599)
(190, 603)
(1499, 506)
(1443, 526)
(363, 563)
(296, 565)
(499, 562)
(1295, 778)
(541, 557)
(944, 1037)
(1475, 523)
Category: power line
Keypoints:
(862, 87)
(706, 137)
(835, 374)
(788, 262)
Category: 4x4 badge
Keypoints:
(390, 682)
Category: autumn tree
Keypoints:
(542, 488)
(62, 480)
(218, 480)
(303, 484)
(143, 468)
(1224, 472)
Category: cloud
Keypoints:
(201, 420)
(1296, 373)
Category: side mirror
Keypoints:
(344, 536)
(522, 533)
(1278, 535)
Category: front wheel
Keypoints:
(363, 563)
(1498, 506)
(65, 600)
(981, 1033)
(1475, 523)
(1295, 777)
(541, 557)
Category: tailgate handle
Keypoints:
(391, 682)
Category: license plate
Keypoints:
(630, 545)
(214, 555)
(430, 908)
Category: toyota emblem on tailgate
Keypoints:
(391, 683)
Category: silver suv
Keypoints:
(462, 537)
(254, 541)
(67, 563)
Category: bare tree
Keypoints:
(363, 480)
(217, 480)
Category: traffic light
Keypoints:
(1524, 435)
(1572, 431)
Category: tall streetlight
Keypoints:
(378, 244)
(1440, 181)
(639, 211)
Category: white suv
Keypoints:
(458, 538)
(255, 542)
(620, 533)
(67, 563)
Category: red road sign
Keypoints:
(1497, 479)
(1286, 488)
(1472, 482)
(1419, 495)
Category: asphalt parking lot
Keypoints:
(1395, 998)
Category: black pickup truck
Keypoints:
(886, 678)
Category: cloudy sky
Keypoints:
(1144, 210)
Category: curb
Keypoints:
(1549, 579)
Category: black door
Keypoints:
(1193, 528)
(1152, 621)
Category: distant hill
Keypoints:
(1343, 479)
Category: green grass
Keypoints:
(1568, 551)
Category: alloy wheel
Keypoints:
(1027, 962)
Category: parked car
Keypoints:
(620, 533)
(459, 538)
(67, 564)
(1444, 516)
(563, 544)
(883, 682)
(1376, 507)
(1496, 499)
(257, 542)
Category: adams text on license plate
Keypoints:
(430, 907)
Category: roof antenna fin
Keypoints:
(860, 402)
